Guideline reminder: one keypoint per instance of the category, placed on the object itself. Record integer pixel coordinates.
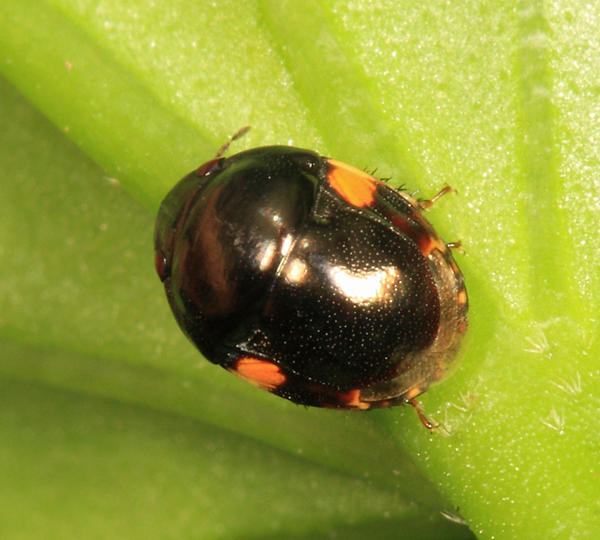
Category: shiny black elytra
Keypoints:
(310, 278)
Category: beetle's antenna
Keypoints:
(239, 133)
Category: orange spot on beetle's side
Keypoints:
(259, 372)
(351, 399)
(353, 185)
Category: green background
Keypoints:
(112, 424)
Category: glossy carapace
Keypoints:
(310, 278)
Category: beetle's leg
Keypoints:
(424, 205)
(424, 420)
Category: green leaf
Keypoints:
(112, 422)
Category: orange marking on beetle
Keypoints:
(426, 241)
(353, 185)
(462, 297)
(352, 399)
(258, 372)
(413, 393)
(426, 245)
